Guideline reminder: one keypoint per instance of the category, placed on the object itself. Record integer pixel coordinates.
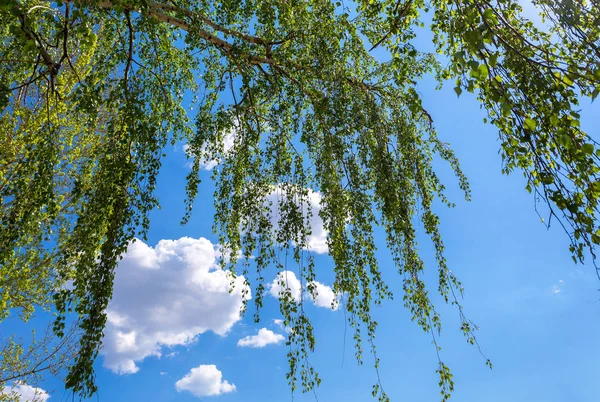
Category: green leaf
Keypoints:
(483, 71)
(588, 148)
(493, 60)
(567, 80)
(565, 141)
(490, 16)
(529, 124)
(30, 45)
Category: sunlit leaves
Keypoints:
(93, 93)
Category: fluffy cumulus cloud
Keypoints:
(286, 281)
(263, 338)
(166, 296)
(24, 392)
(205, 380)
(317, 241)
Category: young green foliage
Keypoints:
(91, 92)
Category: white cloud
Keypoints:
(279, 323)
(558, 287)
(205, 380)
(208, 163)
(263, 338)
(25, 393)
(317, 241)
(166, 296)
(325, 297)
(287, 281)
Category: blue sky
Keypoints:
(537, 311)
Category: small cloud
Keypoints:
(286, 282)
(557, 288)
(324, 296)
(163, 373)
(263, 338)
(279, 323)
(204, 380)
(22, 392)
